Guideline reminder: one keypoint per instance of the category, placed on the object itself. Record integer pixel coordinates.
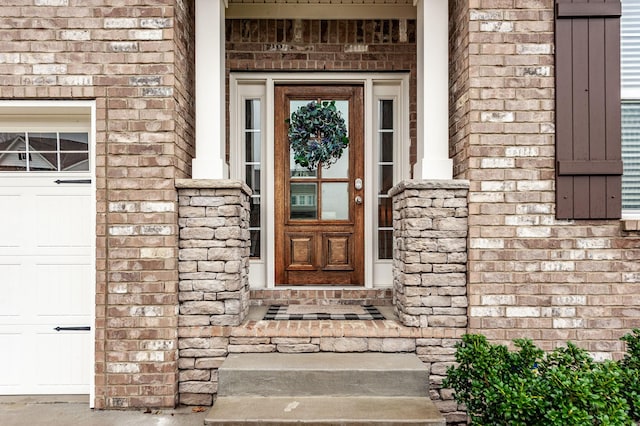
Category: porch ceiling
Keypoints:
(321, 9)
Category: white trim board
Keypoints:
(320, 11)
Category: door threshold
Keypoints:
(320, 287)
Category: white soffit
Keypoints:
(321, 9)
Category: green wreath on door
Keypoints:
(317, 134)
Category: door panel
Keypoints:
(319, 225)
(301, 253)
(337, 252)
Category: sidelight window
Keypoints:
(386, 136)
(252, 166)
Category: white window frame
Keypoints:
(390, 91)
(241, 92)
(378, 273)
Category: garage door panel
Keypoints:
(60, 359)
(11, 289)
(68, 231)
(63, 290)
(13, 344)
(46, 281)
(11, 224)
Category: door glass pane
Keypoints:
(343, 109)
(43, 161)
(340, 169)
(74, 161)
(252, 146)
(296, 169)
(11, 141)
(304, 201)
(43, 142)
(12, 152)
(74, 152)
(255, 243)
(386, 179)
(253, 178)
(43, 149)
(294, 105)
(335, 201)
(254, 226)
(386, 147)
(385, 244)
(385, 212)
(74, 142)
(254, 213)
(386, 114)
(252, 119)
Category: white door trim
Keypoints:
(243, 85)
(11, 113)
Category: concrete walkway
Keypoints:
(68, 411)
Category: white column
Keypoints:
(210, 94)
(433, 91)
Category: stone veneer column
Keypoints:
(430, 252)
(214, 279)
(214, 251)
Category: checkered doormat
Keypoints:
(319, 312)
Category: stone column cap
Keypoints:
(428, 184)
(212, 184)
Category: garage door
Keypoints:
(46, 283)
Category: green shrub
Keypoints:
(631, 370)
(530, 387)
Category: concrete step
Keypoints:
(323, 374)
(317, 410)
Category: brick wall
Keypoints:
(331, 45)
(531, 275)
(125, 57)
(184, 88)
(459, 86)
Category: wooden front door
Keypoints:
(319, 214)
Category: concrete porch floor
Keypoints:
(66, 410)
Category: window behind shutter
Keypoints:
(588, 153)
(630, 49)
(630, 35)
(631, 155)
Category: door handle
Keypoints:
(358, 200)
(358, 184)
(82, 328)
(59, 181)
